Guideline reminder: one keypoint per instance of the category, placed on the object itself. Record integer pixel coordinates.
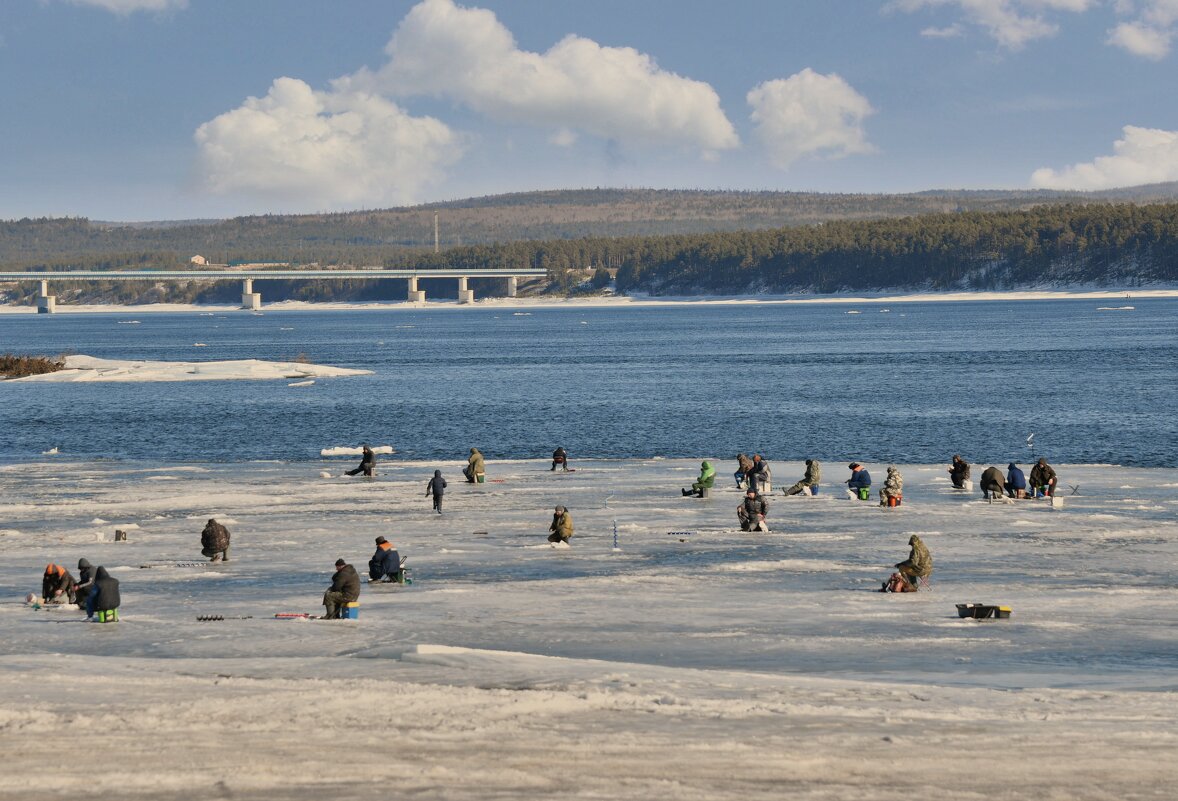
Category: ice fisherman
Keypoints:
(860, 479)
(959, 472)
(760, 475)
(475, 467)
(57, 585)
(214, 541)
(436, 488)
(344, 589)
(893, 487)
(105, 595)
(992, 483)
(706, 480)
(752, 512)
(744, 466)
(809, 481)
(367, 464)
(1016, 482)
(918, 565)
(560, 458)
(562, 525)
(1043, 478)
(85, 580)
(385, 564)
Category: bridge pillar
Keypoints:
(512, 286)
(465, 293)
(249, 298)
(414, 295)
(46, 303)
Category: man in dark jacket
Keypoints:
(744, 466)
(560, 458)
(992, 483)
(105, 595)
(436, 487)
(959, 472)
(809, 482)
(214, 541)
(85, 580)
(367, 464)
(760, 476)
(1043, 478)
(1016, 482)
(752, 512)
(385, 564)
(860, 481)
(57, 585)
(344, 589)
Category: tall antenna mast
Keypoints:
(435, 232)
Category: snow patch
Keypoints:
(89, 368)
(348, 450)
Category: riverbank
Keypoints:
(1122, 296)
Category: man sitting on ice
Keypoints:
(993, 485)
(859, 481)
(809, 482)
(752, 511)
(918, 565)
(57, 585)
(1016, 482)
(385, 564)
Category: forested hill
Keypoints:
(376, 237)
(1111, 245)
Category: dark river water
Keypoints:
(916, 383)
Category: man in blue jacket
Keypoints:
(859, 481)
(1016, 482)
(385, 564)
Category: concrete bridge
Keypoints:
(47, 304)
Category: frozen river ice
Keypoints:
(693, 662)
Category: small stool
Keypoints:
(480, 478)
(865, 493)
(705, 492)
(106, 616)
(895, 500)
(351, 611)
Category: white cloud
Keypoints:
(1142, 156)
(948, 32)
(1152, 31)
(333, 149)
(131, 6)
(1011, 23)
(809, 113)
(615, 93)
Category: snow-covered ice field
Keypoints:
(703, 663)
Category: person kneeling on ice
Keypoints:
(959, 472)
(992, 483)
(436, 487)
(105, 595)
(918, 565)
(385, 564)
(809, 482)
(1043, 478)
(893, 487)
(560, 458)
(57, 585)
(752, 511)
(214, 541)
(367, 464)
(475, 466)
(344, 589)
(562, 525)
(1016, 482)
(706, 480)
(860, 481)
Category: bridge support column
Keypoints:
(414, 295)
(249, 298)
(46, 303)
(512, 286)
(465, 293)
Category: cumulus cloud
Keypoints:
(1141, 156)
(616, 93)
(1151, 31)
(1011, 23)
(131, 6)
(809, 113)
(334, 149)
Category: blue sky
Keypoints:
(174, 109)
